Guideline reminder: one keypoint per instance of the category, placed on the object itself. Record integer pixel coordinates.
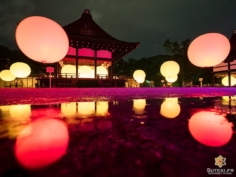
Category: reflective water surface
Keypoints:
(139, 137)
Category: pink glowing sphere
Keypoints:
(208, 50)
(210, 129)
(42, 39)
(41, 143)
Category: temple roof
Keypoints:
(84, 32)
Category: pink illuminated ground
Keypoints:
(58, 95)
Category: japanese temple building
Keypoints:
(91, 48)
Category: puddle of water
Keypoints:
(148, 134)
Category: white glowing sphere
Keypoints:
(208, 50)
(225, 81)
(170, 108)
(6, 75)
(169, 68)
(20, 70)
(139, 106)
(101, 70)
(68, 71)
(171, 78)
(210, 129)
(139, 76)
(85, 72)
(42, 39)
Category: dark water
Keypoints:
(154, 137)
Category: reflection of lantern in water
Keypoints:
(20, 111)
(170, 108)
(139, 106)
(169, 69)
(226, 100)
(41, 143)
(20, 70)
(85, 72)
(42, 39)
(86, 108)
(210, 129)
(139, 76)
(208, 49)
(68, 71)
(45, 113)
(68, 109)
(225, 81)
(102, 108)
(6, 75)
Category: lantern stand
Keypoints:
(50, 70)
(200, 80)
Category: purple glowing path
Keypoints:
(59, 95)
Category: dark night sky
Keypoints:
(150, 22)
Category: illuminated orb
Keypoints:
(101, 70)
(41, 143)
(169, 68)
(208, 49)
(20, 70)
(170, 108)
(210, 129)
(42, 39)
(139, 76)
(85, 72)
(139, 106)
(68, 71)
(6, 75)
(172, 78)
(225, 81)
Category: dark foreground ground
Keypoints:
(127, 148)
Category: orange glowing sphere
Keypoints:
(210, 129)
(208, 50)
(42, 39)
(139, 76)
(6, 75)
(20, 70)
(225, 81)
(41, 143)
(169, 68)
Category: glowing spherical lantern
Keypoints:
(42, 39)
(139, 106)
(20, 70)
(41, 143)
(225, 81)
(210, 129)
(85, 72)
(139, 76)
(169, 69)
(68, 71)
(170, 108)
(6, 75)
(102, 71)
(208, 50)
(171, 78)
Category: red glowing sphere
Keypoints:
(42, 39)
(208, 50)
(210, 129)
(41, 143)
